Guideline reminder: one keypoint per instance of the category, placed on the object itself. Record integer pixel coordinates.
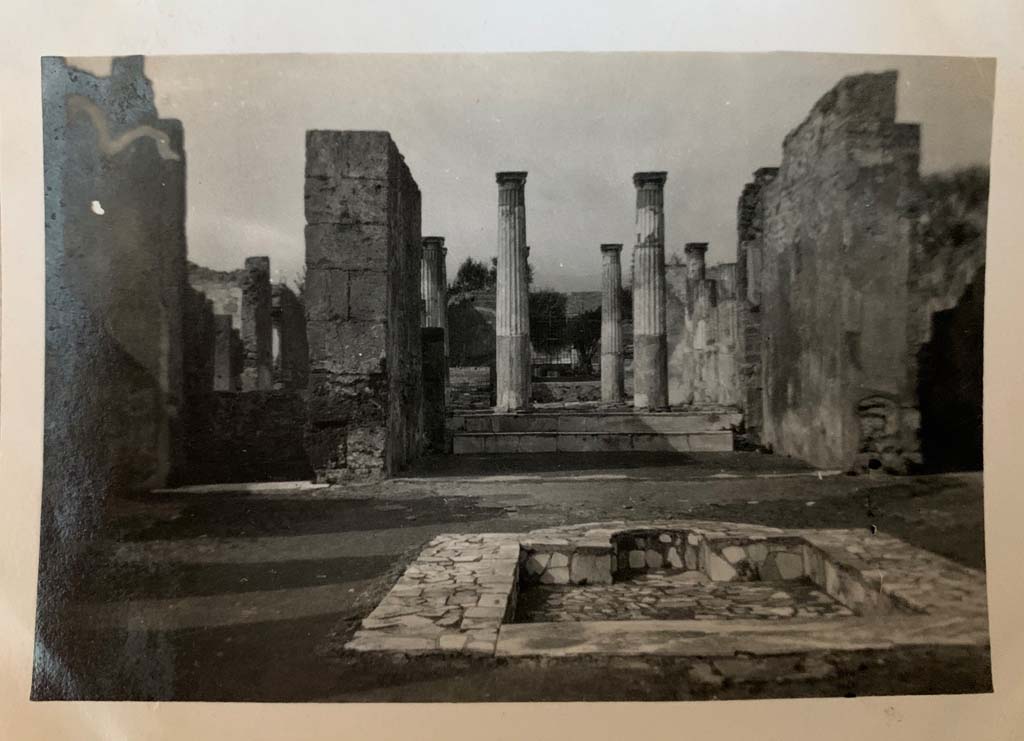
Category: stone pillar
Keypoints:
(612, 387)
(223, 371)
(695, 259)
(434, 390)
(512, 361)
(650, 360)
(434, 288)
(257, 327)
(363, 256)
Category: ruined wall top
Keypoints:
(870, 96)
(120, 102)
(750, 217)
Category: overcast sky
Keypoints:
(580, 124)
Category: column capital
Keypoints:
(611, 247)
(658, 178)
(511, 178)
(433, 242)
(692, 248)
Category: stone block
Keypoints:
(346, 201)
(368, 296)
(637, 559)
(674, 561)
(590, 569)
(734, 553)
(555, 575)
(558, 559)
(653, 559)
(346, 347)
(537, 563)
(365, 449)
(453, 642)
(346, 247)
(718, 569)
(349, 154)
(790, 565)
(350, 398)
(328, 295)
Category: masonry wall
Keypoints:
(363, 249)
(749, 261)
(839, 230)
(291, 365)
(701, 336)
(250, 436)
(114, 176)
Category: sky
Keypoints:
(581, 124)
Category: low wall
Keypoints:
(249, 436)
(471, 387)
(565, 391)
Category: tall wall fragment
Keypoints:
(363, 251)
(832, 257)
(114, 175)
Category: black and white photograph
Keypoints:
(534, 377)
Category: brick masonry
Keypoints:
(363, 248)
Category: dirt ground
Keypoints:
(249, 596)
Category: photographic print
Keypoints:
(326, 421)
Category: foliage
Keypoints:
(547, 320)
(473, 275)
(584, 334)
(955, 207)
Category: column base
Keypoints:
(650, 372)
(612, 378)
(513, 373)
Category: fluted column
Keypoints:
(512, 314)
(612, 387)
(433, 288)
(650, 358)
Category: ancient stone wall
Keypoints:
(115, 258)
(749, 261)
(434, 406)
(291, 361)
(363, 249)
(114, 176)
(546, 392)
(471, 387)
(839, 231)
(250, 436)
(701, 336)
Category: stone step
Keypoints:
(468, 443)
(626, 423)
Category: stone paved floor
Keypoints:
(250, 596)
(680, 595)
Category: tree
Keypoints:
(584, 334)
(547, 320)
(493, 274)
(473, 275)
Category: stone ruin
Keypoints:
(835, 333)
